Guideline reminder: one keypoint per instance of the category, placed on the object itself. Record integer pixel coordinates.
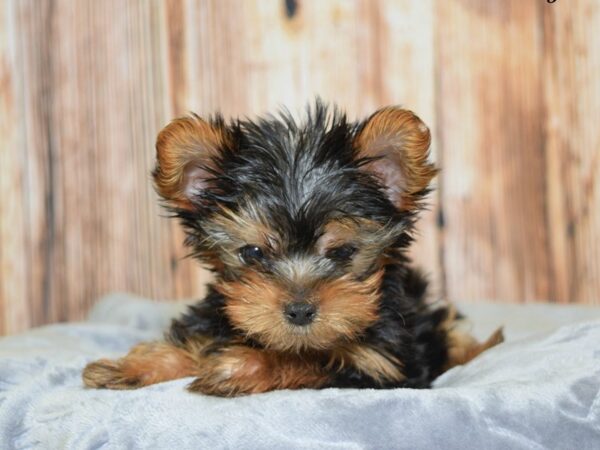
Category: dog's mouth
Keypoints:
(300, 330)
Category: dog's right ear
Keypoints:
(186, 153)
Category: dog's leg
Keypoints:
(238, 370)
(462, 347)
(145, 364)
(375, 367)
(226, 371)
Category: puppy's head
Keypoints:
(297, 219)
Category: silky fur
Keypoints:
(331, 205)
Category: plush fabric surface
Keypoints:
(534, 391)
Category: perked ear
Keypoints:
(185, 151)
(395, 143)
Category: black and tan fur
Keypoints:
(305, 226)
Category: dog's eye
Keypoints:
(250, 254)
(342, 253)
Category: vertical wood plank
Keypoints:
(572, 103)
(118, 239)
(490, 125)
(14, 273)
(28, 28)
(406, 56)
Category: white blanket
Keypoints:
(534, 391)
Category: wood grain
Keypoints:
(517, 100)
(572, 108)
(491, 134)
(14, 268)
(510, 89)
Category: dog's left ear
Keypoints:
(395, 143)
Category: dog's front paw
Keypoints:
(234, 371)
(146, 363)
(109, 374)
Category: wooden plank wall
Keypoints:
(511, 89)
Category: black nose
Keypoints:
(300, 313)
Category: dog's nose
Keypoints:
(300, 313)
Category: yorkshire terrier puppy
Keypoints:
(305, 226)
